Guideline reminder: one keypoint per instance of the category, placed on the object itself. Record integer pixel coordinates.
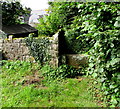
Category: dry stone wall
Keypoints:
(54, 51)
(16, 49)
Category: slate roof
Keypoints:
(19, 30)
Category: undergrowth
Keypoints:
(27, 84)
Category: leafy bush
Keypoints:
(59, 73)
(65, 16)
(94, 28)
(104, 64)
(98, 35)
(103, 34)
(11, 12)
(61, 13)
(38, 48)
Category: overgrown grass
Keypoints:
(24, 86)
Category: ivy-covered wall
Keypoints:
(31, 49)
(44, 49)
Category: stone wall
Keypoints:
(54, 51)
(75, 60)
(16, 49)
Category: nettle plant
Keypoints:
(39, 48)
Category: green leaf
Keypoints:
(111, 45)
(117, 24)
(94, 75)
(111, 87)
(102, 79)
(100, 70)
(113, 100)
(91, 64)
(80, 5)
(114, 61)
(116, 89)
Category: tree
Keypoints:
(12, 12)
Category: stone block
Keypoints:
(16, 49)
(54, 62)
(76, 60)
(25, 50)
(54, 47)
(20, 51)
(55, 36)
(23, 44)
(16, 57)
(20, 58)
(22, 40)
(14, 45)
(6, 41)
(1, 44)
(27, 58)
(50, 47)
(62, 59)
(11, 56)
(1, 48)
(55, 42)
(51, 41)
(18, 40)
(23, 58)
(53, 53)
(8, 45)
(1, 41)
(10, 38)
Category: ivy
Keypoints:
(62, 72)
(93, 28)
(104, 64)
(103, 33)
(39, 48)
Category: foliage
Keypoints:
(65, 16)
(61, 13)
(39, 48)
(103, 34)
(104, 64)
(68, 93)
(11, 65)
(12, 11)
(21, 68)
(62, 72)
(93, 28)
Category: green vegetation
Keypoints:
(12, 12)
(25, 86)
(39, 48)
(92, 28)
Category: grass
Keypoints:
(24, 86)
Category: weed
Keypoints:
(69, 92)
